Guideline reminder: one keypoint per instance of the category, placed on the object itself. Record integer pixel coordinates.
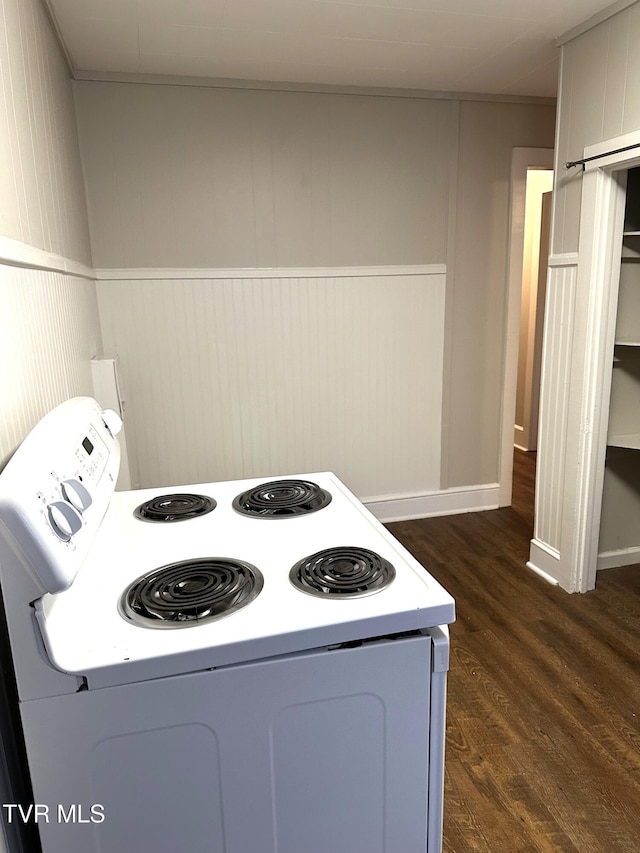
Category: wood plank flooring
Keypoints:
(543, 735)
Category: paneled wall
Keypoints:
(303, 370)
(477, 252)
(41, 191)
(49, 331)
(184, 176)
(599, 99)
(554, 411)
(49, 325)
(197, 178)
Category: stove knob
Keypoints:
(64, 519)
(76, 494)
(112, 421)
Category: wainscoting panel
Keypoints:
(49, 331)
(294, 371)
(554, 401)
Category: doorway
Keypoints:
(537, 231)
(523, 162)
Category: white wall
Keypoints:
(41, 187)
(477, 274)
(182, 178)
(48, 318)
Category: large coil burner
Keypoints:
(191, 592)
(344, 572)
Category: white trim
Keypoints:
(544, 560)
(620, 160)
(453, 501)
(16, 254)
(594, 20)
(138, 273)
(601, 224)
(564, 259)
(83, 75)
(615, 559)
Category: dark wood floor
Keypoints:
(543, 736)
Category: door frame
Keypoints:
(600, 244)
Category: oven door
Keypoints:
(327, 750)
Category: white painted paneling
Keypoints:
(41, 189)
(629, 28)
(599, 99)
(49, 331)
(554, 401)
(226, 378)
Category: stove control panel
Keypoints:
(55, 490)
(69, 495)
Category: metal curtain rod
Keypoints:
(572, 163)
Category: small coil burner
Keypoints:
(191, 592)
(178, 507)
(282, 499)
(344, 572)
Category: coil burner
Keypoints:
(345, 572)
(282, 499)
(191, 592)
(178, 507)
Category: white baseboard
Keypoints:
(390, 508)
(544, 560)
(615, 559)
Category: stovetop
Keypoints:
(88, 631)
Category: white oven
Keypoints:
(250, 666)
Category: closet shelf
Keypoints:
(630, 441)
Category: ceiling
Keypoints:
(501, 47)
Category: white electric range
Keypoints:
(250, 666)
